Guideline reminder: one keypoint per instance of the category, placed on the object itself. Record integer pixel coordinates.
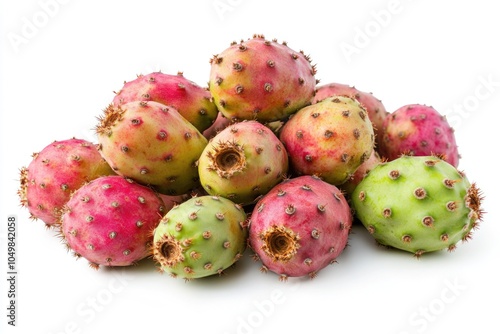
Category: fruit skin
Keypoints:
(152, 144)
(192, 101)
(374, 107)
(109, 221)
(331, 139)
(417, 129)
(360, 173)
(200, 237)
(260, 79)
(300, 226)
(220, 123)
(55, 172)
(242, 162)
(418, 204)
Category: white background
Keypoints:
(61, 62)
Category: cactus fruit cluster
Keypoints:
(263, 160)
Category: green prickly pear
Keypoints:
(418, 204)
(200, 237)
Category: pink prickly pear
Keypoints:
(299, 227)
(55, 172)
(110, 220)
(419, 130)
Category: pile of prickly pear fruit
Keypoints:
(263, 159)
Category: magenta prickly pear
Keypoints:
(109, 221)
(260, 79)
(55, 172)
(192, 101)
(417, 129)
(299, 227)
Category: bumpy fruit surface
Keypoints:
(55, 172)
(152, 144)
(200, 237)
(418, 204)
(109, 221)
(374, 107)
(192, 101)
(417, 129)
(220, 123)
(243, 162)
(300, 226)
(331, 139)
(260, 79)
(360, 173)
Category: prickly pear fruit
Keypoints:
(200, 237)
(55, 172)
(299, 227)
(417, 129)
(242, 162)
(109, 221)
(152, 144)
(374, 107)
(260, 79)
(331, 139)
(418, 204)
(192, 101)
